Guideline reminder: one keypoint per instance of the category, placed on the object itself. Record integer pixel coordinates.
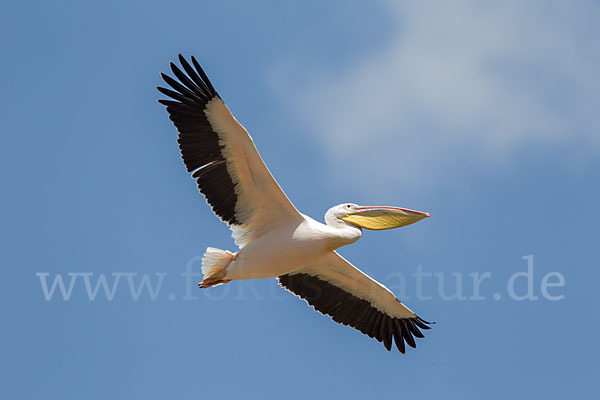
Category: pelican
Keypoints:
(274, 239)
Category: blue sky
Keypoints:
(484, 114)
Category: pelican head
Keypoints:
(377, 217)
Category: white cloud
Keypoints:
(461, 85)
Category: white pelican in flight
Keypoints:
(274, 238)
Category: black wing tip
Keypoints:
(189, 93)
(426, 322)
(377, 325)
(163, 90)
(194, 83)
(165, 77)
(174, 68)
(421, 323)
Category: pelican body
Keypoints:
(293, 246)
(297, 244)
(275, 240)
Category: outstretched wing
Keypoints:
(336, 288)
(221, 156)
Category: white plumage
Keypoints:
(274, 239)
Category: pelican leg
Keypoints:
(210, 282)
